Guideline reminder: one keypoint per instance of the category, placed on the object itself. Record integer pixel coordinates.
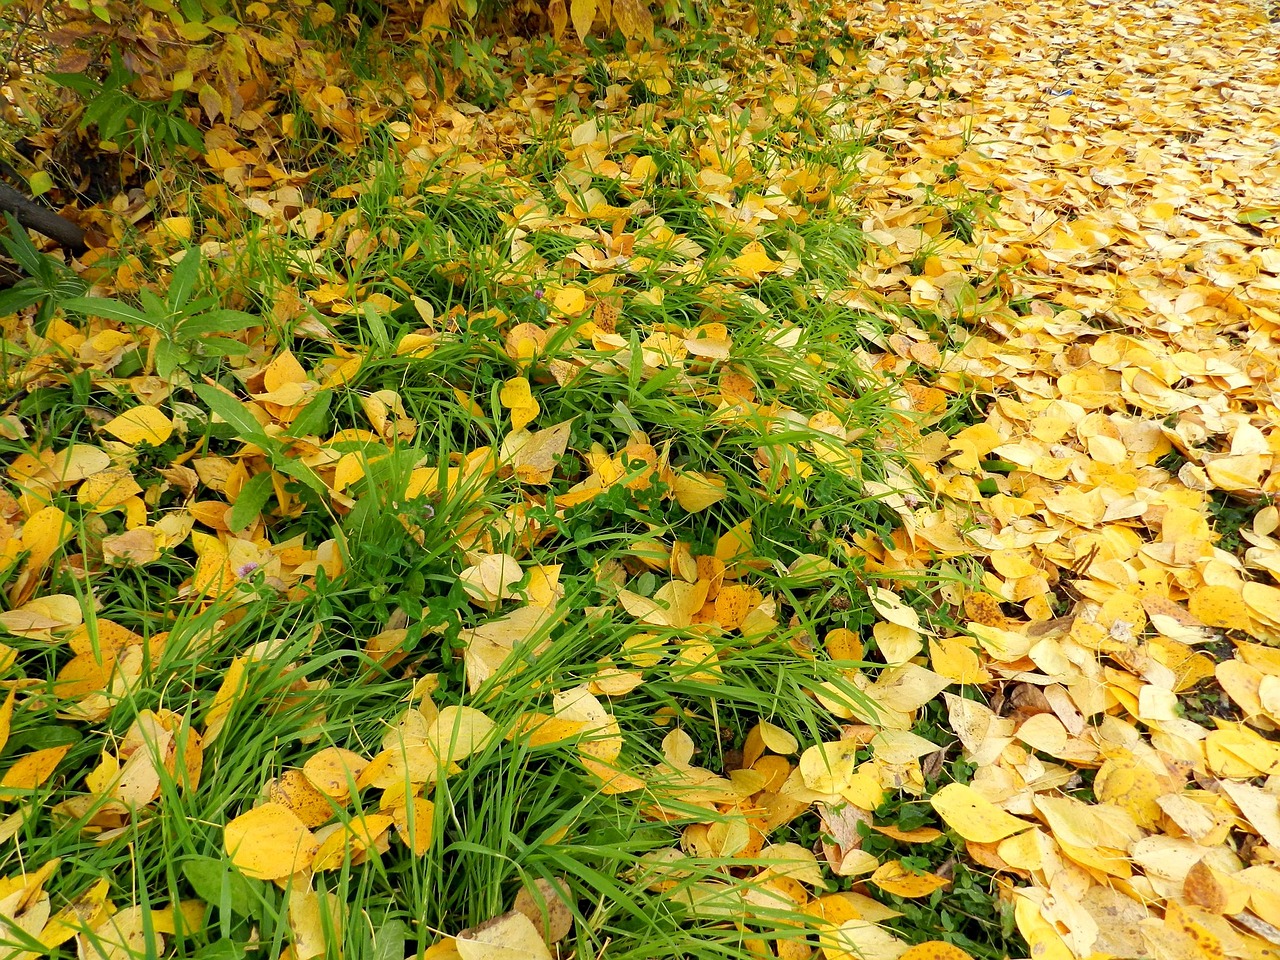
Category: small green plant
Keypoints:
(193, 331)
(49, 282)
(138, 125)
(1230, 516)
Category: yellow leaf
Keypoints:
(858, 939)
(697, 491)
(829, 767)
(542, 729)
(583, 14)
(142, 424)
(109, 489)
(6, 716)
(893, 877)
(612, 779)
(559, 17)
(269, 843)
(935, 950)
(179, 228)
(517, 397)
(547, 905)
(633, 19)
(973, 816)
(232, 688)
(351, 842)
(123, 934)
(43, 616)
(458, 732)
(511, 936)
(1044, 939)
(533, 456)
(736, 545)
(192, 913)
(86, 911)
(313, 921)
(43, 534)
(955, 660)
(1088, 825)
(415, 824)
(754, 262)
(39, 183)
(334, 771)
(295, 791)
(78, 461)
(733, 603)
(213, 576)
(1218, 606)
(571, 301)
(30, 771)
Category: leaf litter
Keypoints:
(1071, 240)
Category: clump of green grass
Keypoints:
(513, 814)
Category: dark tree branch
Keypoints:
(40, 219)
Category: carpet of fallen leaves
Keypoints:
(1117, 282)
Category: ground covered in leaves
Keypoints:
(804, 492)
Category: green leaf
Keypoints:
(223, 949)
(154, 307)
(235, 413)
(39, 183)
(20, 297)
(313, 417)
(78, 82)
(1257, 215)
(168, 358)
(107, 310)
(19, 246)
(218, 321)
(249, 505)
(223, 347)
(194, 31)
(300, 471)
(376, 326)
(184, 277)
(216, 883)
(388, 942)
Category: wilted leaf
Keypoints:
(511, 936)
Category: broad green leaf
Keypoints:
(223, 347)
(249, 505)
(218, 321)
(1257, 215)
(217, 884)
(169, 357)
(184, 277)
(235, 413)
(19, 298)
(19, 246)
(300, 471)
(314, 416)
(107, 310)
(40, 183)
(389, 941)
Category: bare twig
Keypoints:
(35, 217)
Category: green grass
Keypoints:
(513, 814)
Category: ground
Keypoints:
(805, 490)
